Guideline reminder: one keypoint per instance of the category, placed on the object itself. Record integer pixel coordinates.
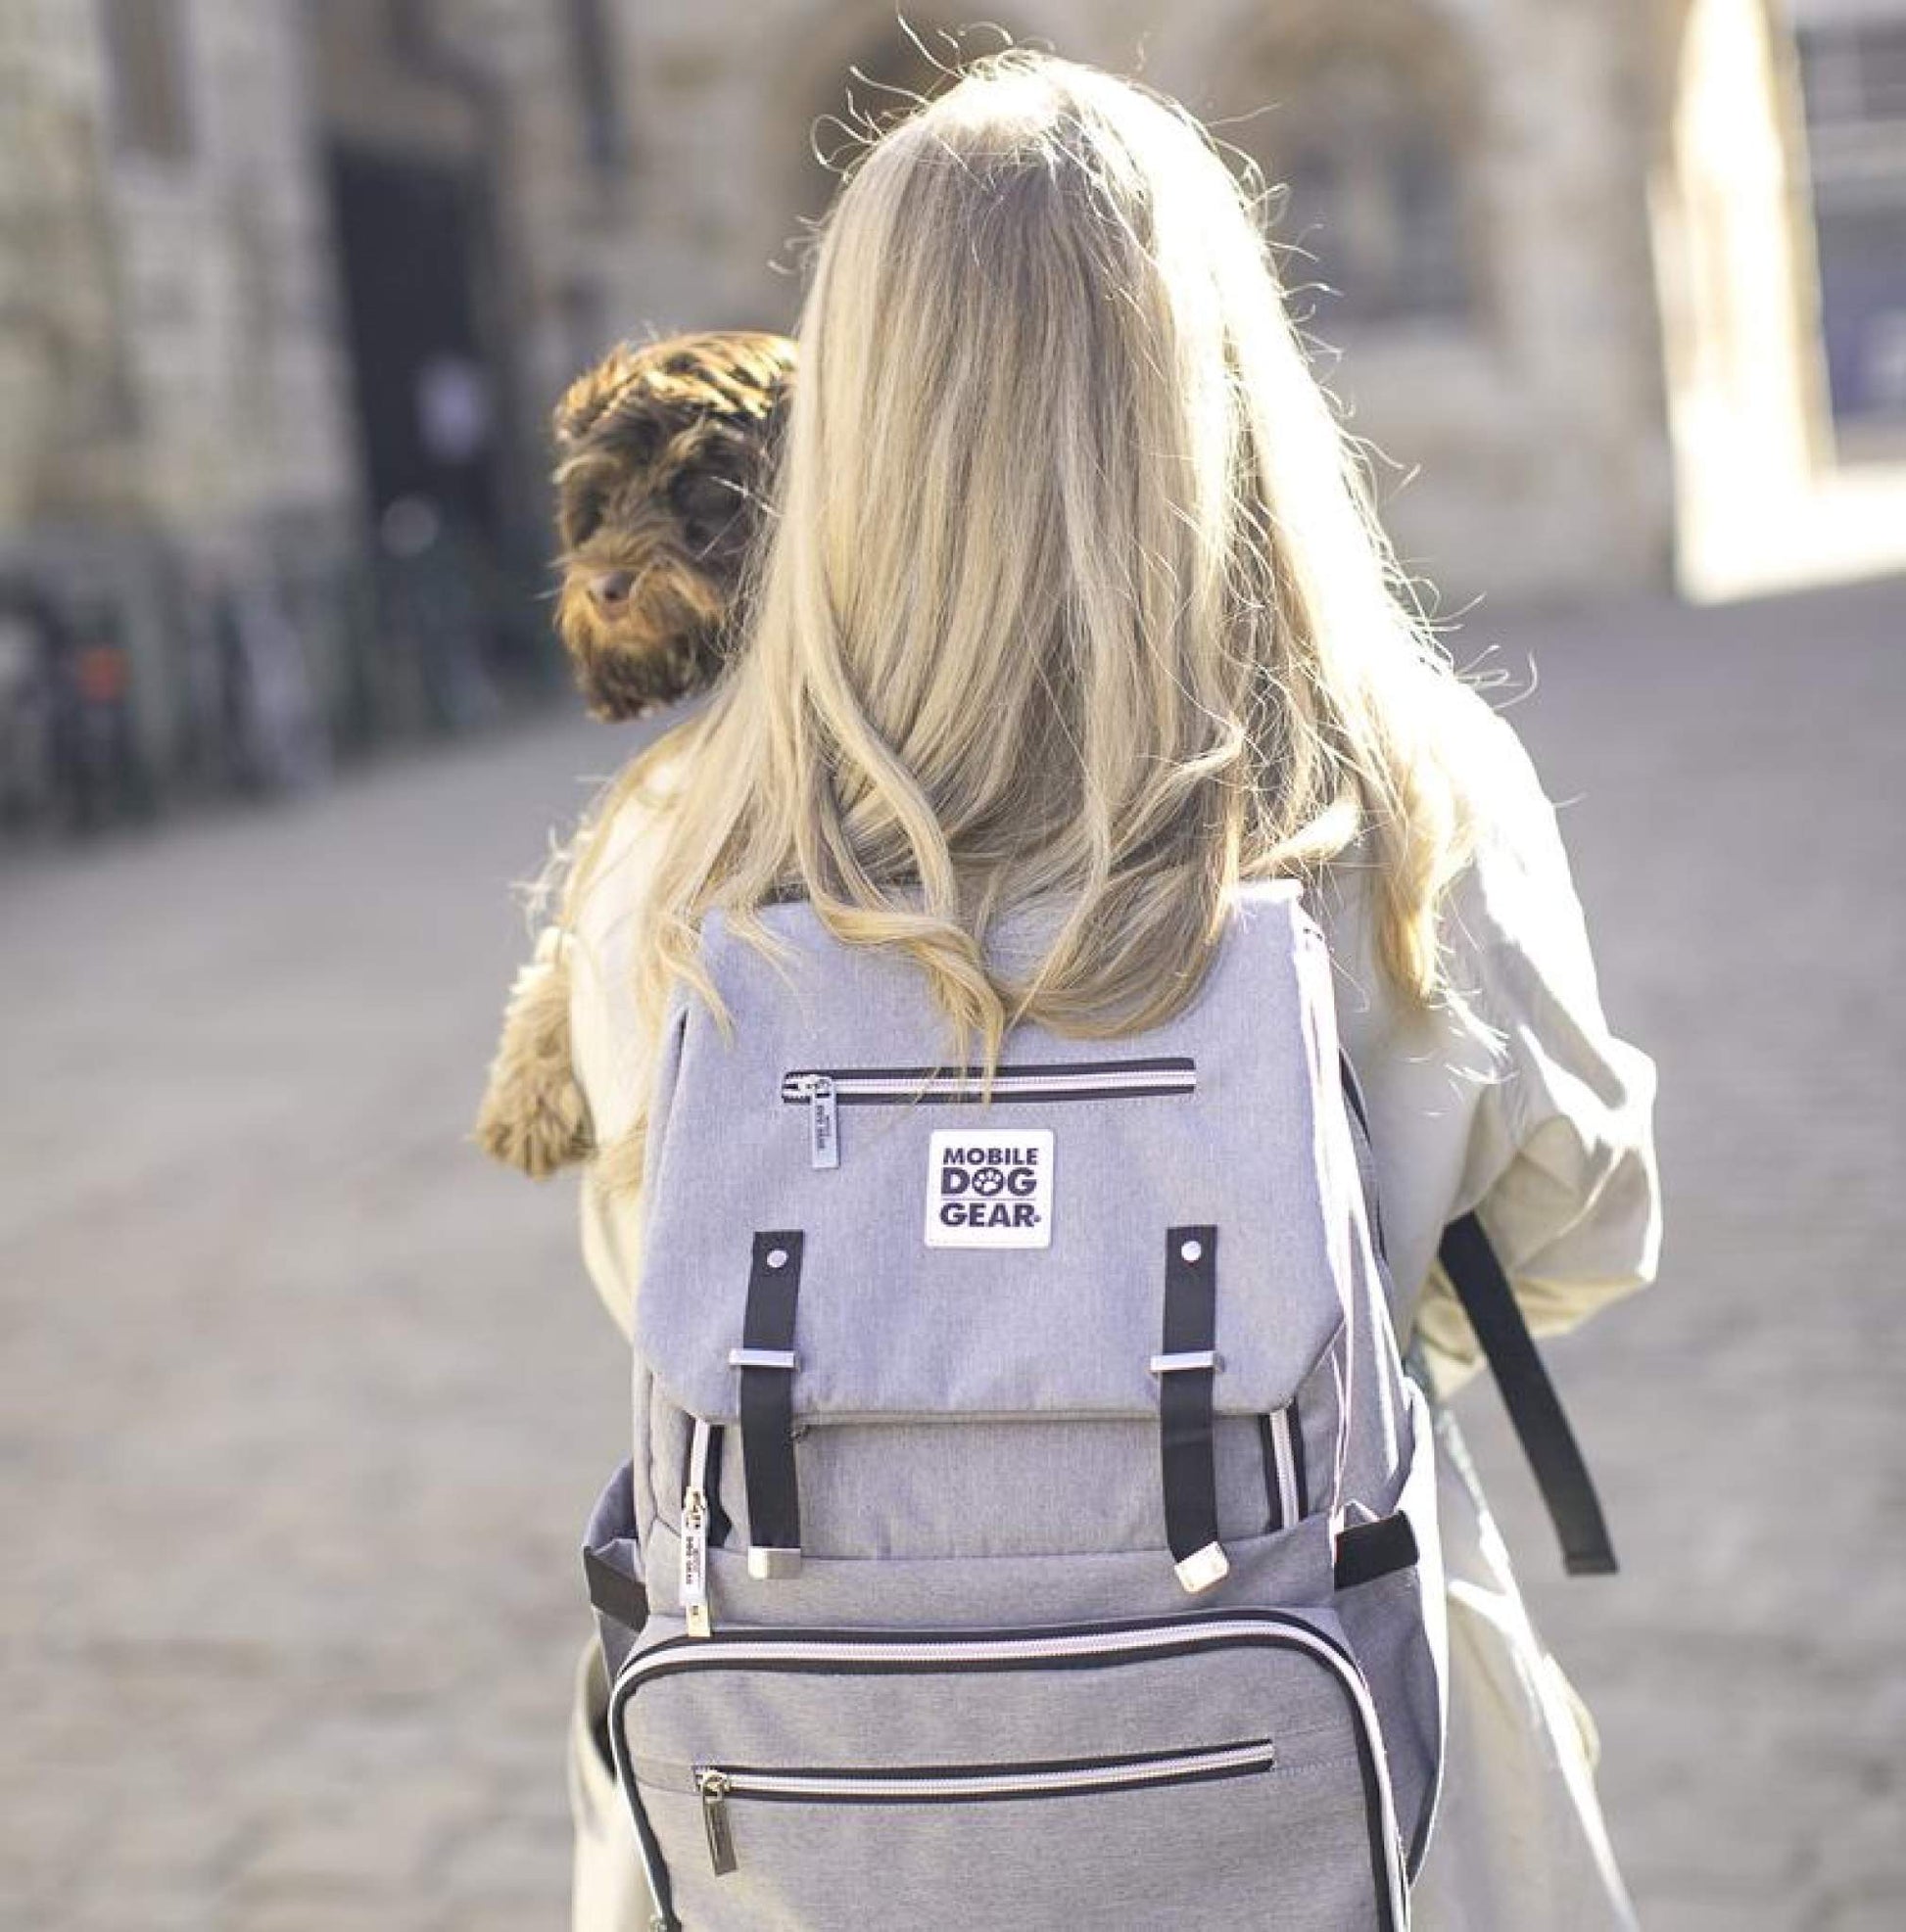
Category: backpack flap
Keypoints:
(959, 1258)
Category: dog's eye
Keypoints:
(639, 440)
(705, 503)
(583, 502)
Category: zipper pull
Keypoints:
(694, 1537)
(713, 1786)
(823, 1120)
(694, 1562)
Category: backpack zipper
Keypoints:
(1284, 1461)
(824, 1090)
(716, 1784)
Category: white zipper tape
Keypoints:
(1286, 1460)
(816, 1087)
(1004, 1783)
(821, 1092)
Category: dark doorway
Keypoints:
(414, 238)
(409, 233)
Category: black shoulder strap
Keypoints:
(1533, 1408)
(1530, 1397)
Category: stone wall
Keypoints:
(174, 393)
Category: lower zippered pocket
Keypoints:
(718, 1785)
(1219, 1768)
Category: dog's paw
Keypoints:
(534, 1116)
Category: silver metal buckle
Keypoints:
(1195, 1358)
(1204, 1568)
(770, 1565)
(763, 1358)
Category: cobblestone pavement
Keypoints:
(301, 1405)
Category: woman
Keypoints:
(1072, 593)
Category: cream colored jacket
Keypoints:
(1549, 1137)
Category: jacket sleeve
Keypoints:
(615, 1058)
(1560, 1163)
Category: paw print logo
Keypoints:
(990, 1180)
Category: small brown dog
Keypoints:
(665, 454)
(664, 451)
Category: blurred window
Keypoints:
(147, 85)
(1854, 71)
(594, 57)
(1358, 114)
(1853, 83)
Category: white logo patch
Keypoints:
(989, 1190)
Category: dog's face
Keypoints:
(663, 454)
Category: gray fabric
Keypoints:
(611, 1536)
(1216, 1853)
(1029, 1486)
(994, 1592)
(977, 1447)
(1397, 1624)
(1205, 1856)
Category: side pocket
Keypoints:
(1398, 1626)
(612, 1569)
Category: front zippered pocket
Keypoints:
(716, 1784)
(823, 1090)
(917, 1819)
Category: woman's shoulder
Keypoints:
(1511, 882)
(611, 859)
(1512, 921)
(1496, 786)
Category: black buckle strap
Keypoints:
(1528, 1394)
(1187, 1372)
(614, 1592)
(1367, 1551)
(766, 1359)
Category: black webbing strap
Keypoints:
(614, 1592)
(720, 1526)
(1535, 1409)
(766, 1358)
(1367, 1551)
(1366, 1150)
(1187, 1372)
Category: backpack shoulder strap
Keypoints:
(1534, 1407)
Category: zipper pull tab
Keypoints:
(713, 1786)
(694, 1537)
(823, 1122)
(694, 1562)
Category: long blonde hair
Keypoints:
(1070, 589)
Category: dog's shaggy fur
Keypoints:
(663, 457)
(662, 451)
(534, 1116)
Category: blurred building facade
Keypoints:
(288, 285)
(1558, 255)
(286, 288)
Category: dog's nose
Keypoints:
(611, 590)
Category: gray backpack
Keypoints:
(1031, 1520)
